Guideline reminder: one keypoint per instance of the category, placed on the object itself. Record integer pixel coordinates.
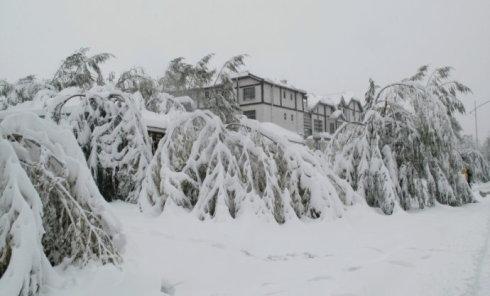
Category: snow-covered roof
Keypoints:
(277, 82)
(273, 130)
(332, 99)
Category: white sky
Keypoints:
(321, 46)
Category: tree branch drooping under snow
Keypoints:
(406, 153)
(77, 226)
(109, 128)
(215, 171)
(24, 268)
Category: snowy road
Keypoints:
(438, 251)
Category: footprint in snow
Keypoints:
(376, 249)
(354, 268)
(401, 263)
(218, 245)
(320, 278)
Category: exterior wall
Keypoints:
(286, 109)
(248, 82)
(292, 120)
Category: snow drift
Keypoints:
(52, 211)
(218, 170)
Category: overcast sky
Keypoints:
(321, 46)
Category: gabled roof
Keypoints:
(276, 82)
(336, 100)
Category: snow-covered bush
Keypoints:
(51, 208)
(405, 153)
(109, 128)
(216, 170)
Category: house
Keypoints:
(326, 114)
(265, 100)
(351, 109)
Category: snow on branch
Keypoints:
(24, 268)
(215, 171)
(407, 152)
(109, 128)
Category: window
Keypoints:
(332, 128)
(291, 96)
(250, 114)
(285, 116)
(292, 117)
(249, 93)
(283, 94)
(206, 94)
(317, 125)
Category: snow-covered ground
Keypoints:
(437, 251)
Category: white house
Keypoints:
(271, 101)
(266, 100)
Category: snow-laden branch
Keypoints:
(214, 171)
(72, 217)
(109, 128)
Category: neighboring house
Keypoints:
(324, 113)
(351, 109)
(265, 100)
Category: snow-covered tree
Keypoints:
(181, 77)
(218, 170)
(486, 149)
(109, 128)
(51, 210)
(405, 153)
(474, 160)
(25, 89)
(136, 80)
(80, 70)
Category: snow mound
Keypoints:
(217, 170)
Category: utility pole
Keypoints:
(476, 120)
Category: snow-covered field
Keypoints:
(437, 251)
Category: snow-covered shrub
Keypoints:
(216, 170)
(405, 153)
(24, 268)
(109, 128)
